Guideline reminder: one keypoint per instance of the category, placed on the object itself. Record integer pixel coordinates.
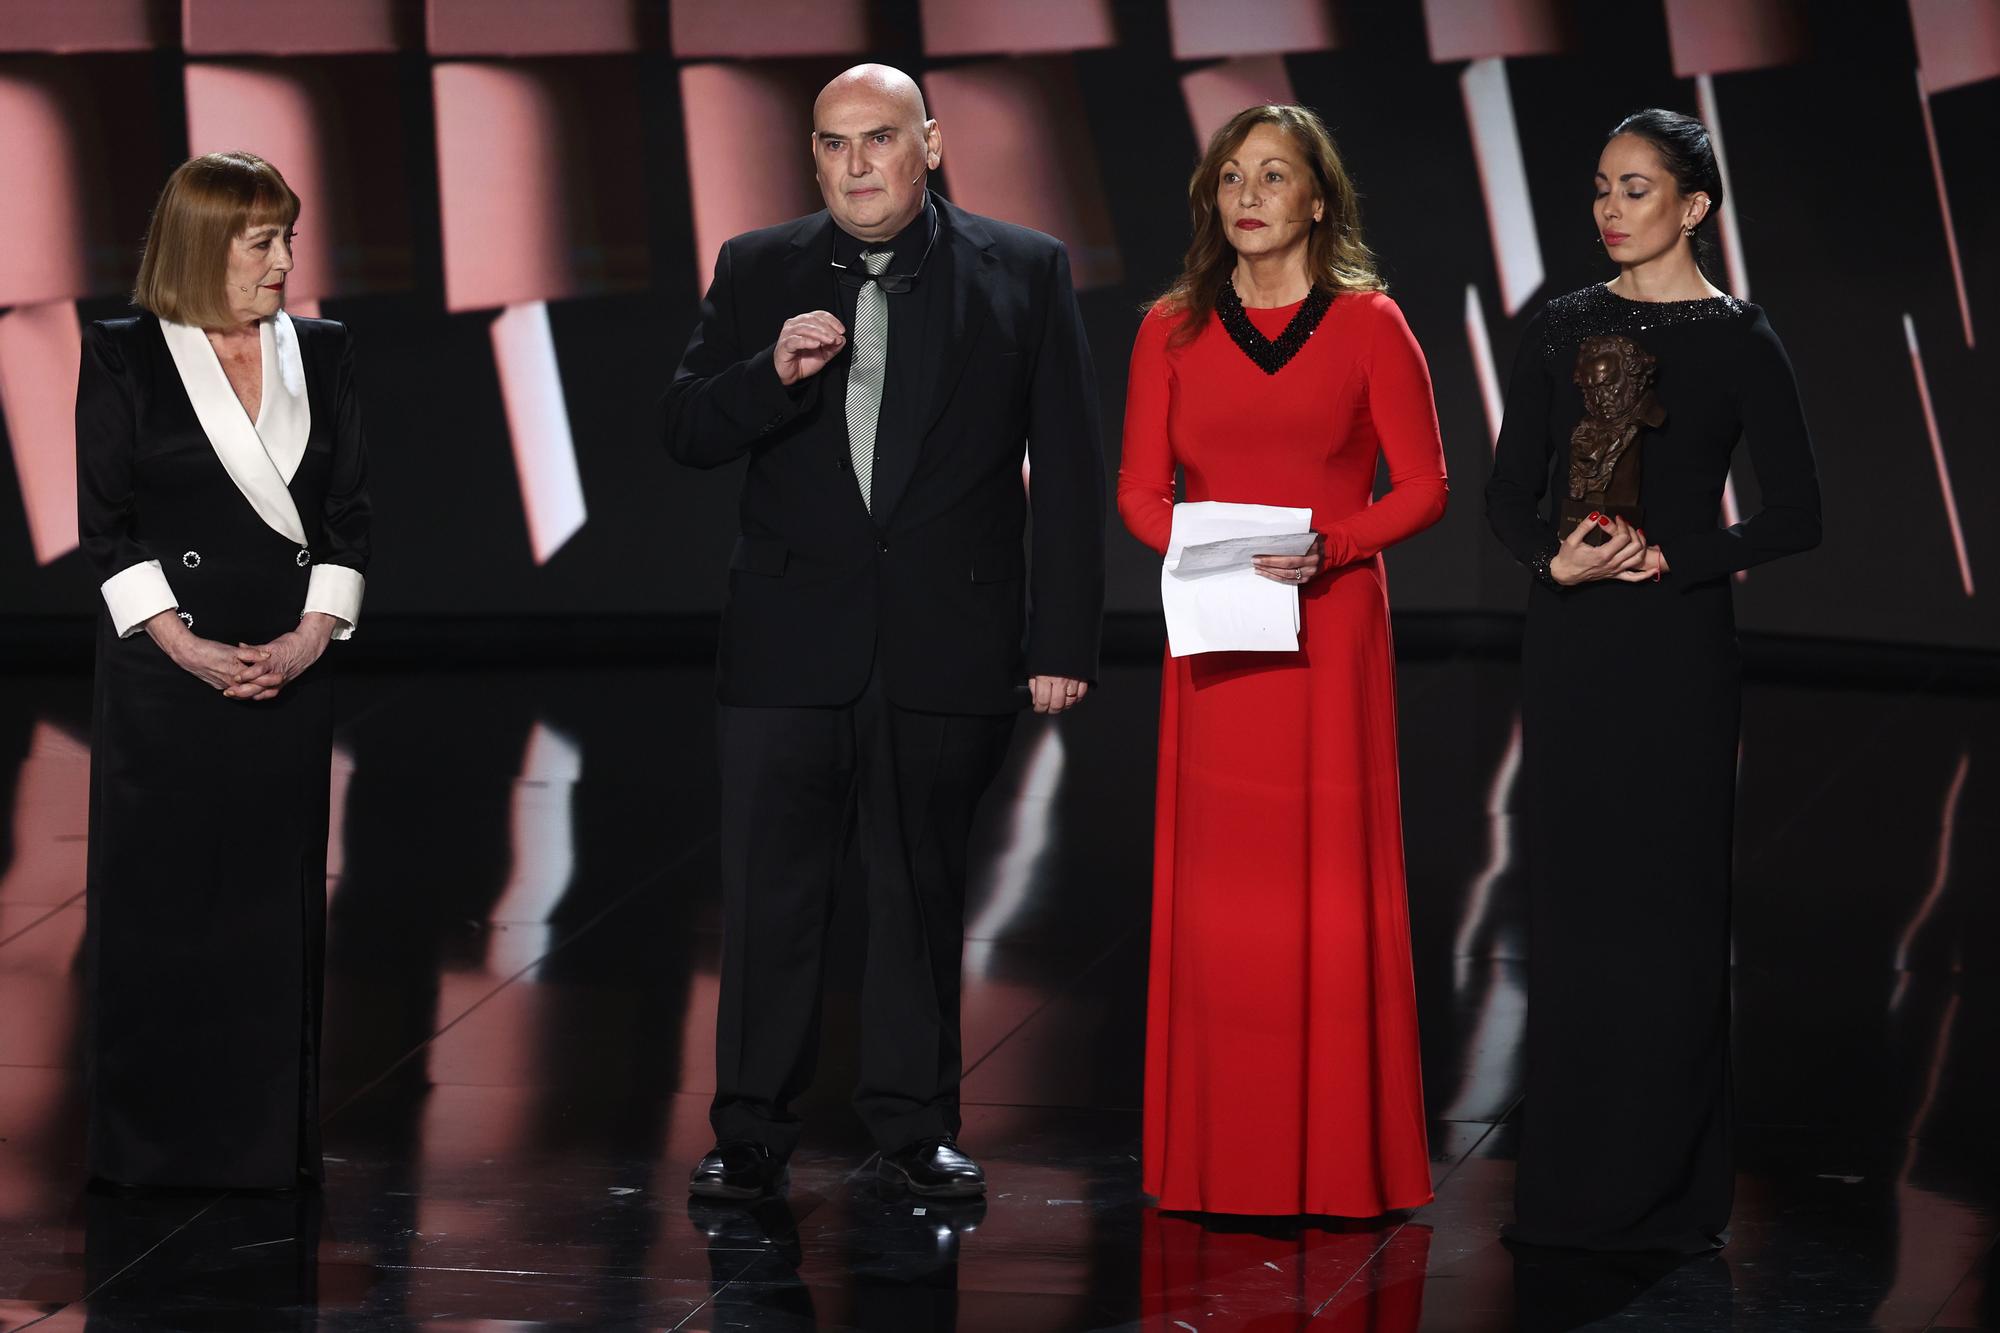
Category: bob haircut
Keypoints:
(1337, 259)
(208, 202)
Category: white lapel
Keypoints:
(246, 455)
(284, 418)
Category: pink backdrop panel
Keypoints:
(79, 170)
(1958, 41)
(542, 27)
(999, 120)
(65, 26)
(1477, 29)
(749, 150)
(1203, 28)
(539, 181)
(295, 27)
(332, 128)
(42, 191)
(981, 27)
(40, 346)
(1218, 92)
(1719, 36)
(705, 28)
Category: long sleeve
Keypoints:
(725, 398)
(1146, 458)
(337, 582)
(1787, 477)
(1521, 459)
(1065, 491)
(1405, 416)
(133, 585)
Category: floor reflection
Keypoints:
(523, 942)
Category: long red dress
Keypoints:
(1282, 1073)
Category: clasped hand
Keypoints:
(246, 671)
(1626, 557)
(1292, 569)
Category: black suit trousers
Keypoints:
(798, 785)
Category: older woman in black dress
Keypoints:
(221, 501)
(1627, 401)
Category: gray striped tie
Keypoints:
(865, 374)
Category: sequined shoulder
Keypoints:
(1568, 320)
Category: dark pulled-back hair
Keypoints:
(1684, 145)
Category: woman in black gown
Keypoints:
(222, 504)
(1631, 701)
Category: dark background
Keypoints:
(1841, 229)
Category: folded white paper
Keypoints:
(1238, 552)
(1214, 600)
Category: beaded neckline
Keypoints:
(1597, 309)
(1604, 288)
(1270, 354)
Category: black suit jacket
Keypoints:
(150, 487)
(935, 583)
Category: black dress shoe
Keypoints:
(933, 1168)
(737, 1170)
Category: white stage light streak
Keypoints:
(1482, 361)
(1028, 835)
(1732, 258)
(1937, 454)
(1947, 832)
(543, 826)
(1503, 179)
(1500, 850)
(339, 779)
(524, 353)
(1944, 209)
(1732, 240)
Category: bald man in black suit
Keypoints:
(881, 364)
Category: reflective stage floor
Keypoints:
(521, 996)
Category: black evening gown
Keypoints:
(1630, 705)
(206, 886)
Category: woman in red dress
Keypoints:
(1281, 1048)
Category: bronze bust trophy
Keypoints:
(1616, 377)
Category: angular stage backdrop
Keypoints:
(515, 204)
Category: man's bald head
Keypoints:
(872, 148)
(881, 83)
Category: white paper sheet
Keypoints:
(1238, 552)
(1220, 604)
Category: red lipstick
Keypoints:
(1249, 224)
(1616, 237)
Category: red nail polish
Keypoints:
(1593, 516)
(1603, 522)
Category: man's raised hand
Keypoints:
(806, 344)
